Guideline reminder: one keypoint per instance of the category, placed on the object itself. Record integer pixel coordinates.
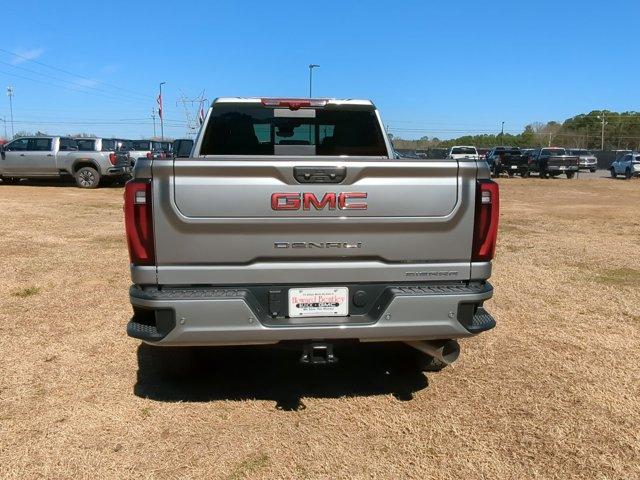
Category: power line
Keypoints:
(146, 96)
(73, 84)
(65, 87)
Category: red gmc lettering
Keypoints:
(309, 199)
(330, 201)
(346, 196)
(285, 201)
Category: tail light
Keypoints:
(112, 159)
(139, 222)
(149, 156)
(293, 103)
(485, 231)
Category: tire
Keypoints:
(87, 177)
(613, 173)
(525, 174)
(592, 170)
(570, 175)
(628, 174)
(510, 173)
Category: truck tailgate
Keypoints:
(215, 222)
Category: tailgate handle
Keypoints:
(319, 174)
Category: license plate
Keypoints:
(513, 167)
(319, 302)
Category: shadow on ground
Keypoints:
(269, 373)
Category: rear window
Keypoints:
(463, 151)
(140, 145)
(108, 145)
(252, 130)
(553, 151)
(85, 145)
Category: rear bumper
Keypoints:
(240, 316)
(562, 168)
(118, 171)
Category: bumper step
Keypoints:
(481, 322)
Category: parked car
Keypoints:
(504, 160)
(290, 233)
(550, 162)
(627, 165)
(587, 160)
(181, 147)
(42, 157)
(461, 151)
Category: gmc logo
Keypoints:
(331, 201)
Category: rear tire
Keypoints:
(525, 174)
(570, 175)
(613, 173)
(87, 177)
(592, 170)
(628, 174)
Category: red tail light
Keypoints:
(293, 103)
(149, 156)
(112, 158)
(485, 231)
(139, 222)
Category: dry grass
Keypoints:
(552, 392)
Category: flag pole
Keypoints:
(161, 113)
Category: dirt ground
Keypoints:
(552, 392)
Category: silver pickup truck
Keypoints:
(293, 222)
(46, 157)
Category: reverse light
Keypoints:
(138, 222)
(485, 231)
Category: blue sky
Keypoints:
(433, 68)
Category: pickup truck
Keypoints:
(459, 151)
(551, 162)
(131, 150)
(588, 161)
(46, 157)
(292, 222)
(504, 160)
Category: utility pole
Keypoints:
(161, 113)
(602, 117)
(4, 120)
(10, 94)
(502, 135)
(311, 67)
(153, 116)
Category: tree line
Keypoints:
(621, 131)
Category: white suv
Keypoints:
(627, 165)
(459, 152)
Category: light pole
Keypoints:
(161, 113)
(502, 135)
(10, 94)
(311, 67)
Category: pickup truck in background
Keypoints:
(459, 151)
(504, 160)
(551, 162)
(587, 160)
(293, 222)
(132, 150)
(50, 157)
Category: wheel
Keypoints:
(87, 177)
(570, 175)
(592, 170)
(544, 174)
(510, 173)
(613, 173)
(525, 174)
(627, 174)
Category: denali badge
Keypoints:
(331, 201)
(317, 244)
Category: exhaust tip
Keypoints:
(446, 351)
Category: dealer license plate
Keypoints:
(319, 302)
